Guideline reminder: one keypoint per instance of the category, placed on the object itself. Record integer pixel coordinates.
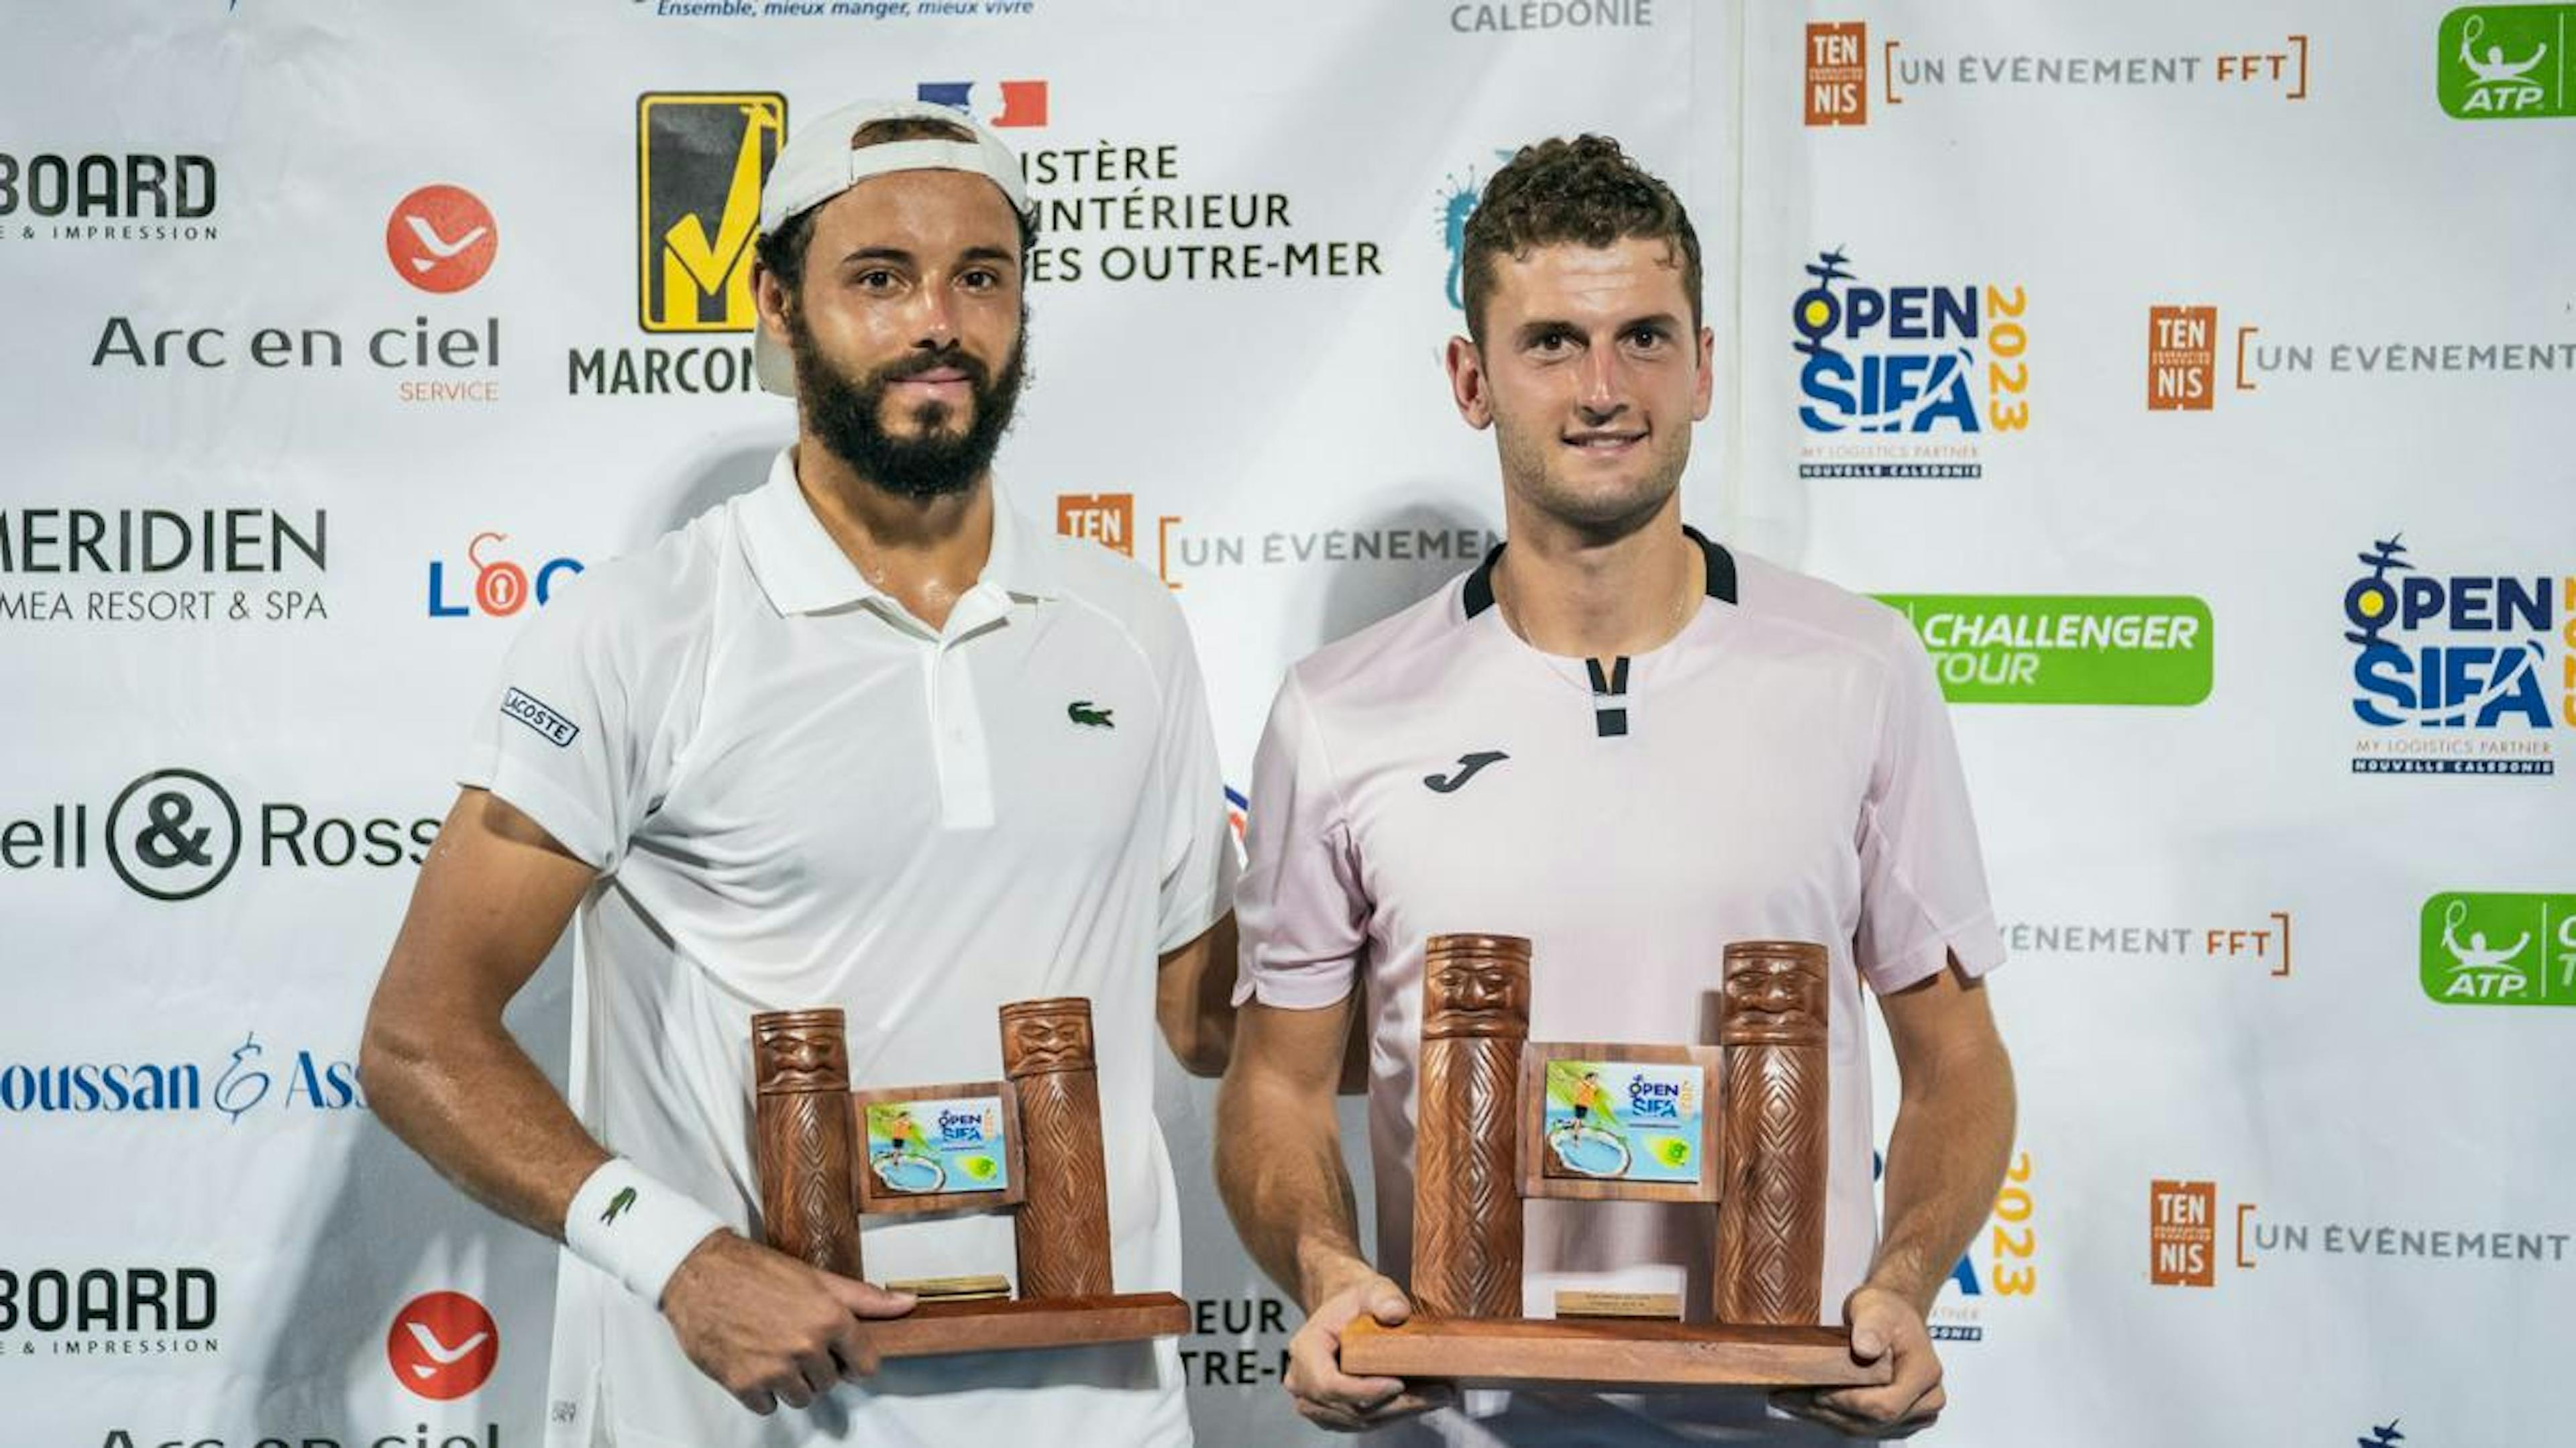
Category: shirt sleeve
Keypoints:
(569, 732)
(1923, 879)
(1302, 910)
(1198, 859)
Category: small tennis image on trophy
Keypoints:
(1028, 1144)
(1603, 1122)
(1738, 1126)
(934, 1148)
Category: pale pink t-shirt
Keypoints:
(1782, 769)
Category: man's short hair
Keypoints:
(1585, 191)
(782, 252)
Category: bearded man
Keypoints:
(862, 737)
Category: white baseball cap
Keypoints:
(819, 163)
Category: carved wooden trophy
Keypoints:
(1029, 1144)
(1502, 1119)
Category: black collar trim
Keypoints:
(1479, 595)
(1721, 566)
(1480, 584)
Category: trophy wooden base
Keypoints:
(1610, 1356)
(937, 1328)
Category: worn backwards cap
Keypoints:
(819, 163)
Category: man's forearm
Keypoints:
(478, 1109)
(1945, 1159)
(1279, 1167)
(439, 1067)
(1194, 1000)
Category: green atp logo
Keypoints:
(2484, 949)
(1085, 713)
(617, 1206)
(2505, 62)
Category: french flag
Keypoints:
(1023, 102)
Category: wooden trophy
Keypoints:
(801, 1136)
(1502, 1119)
(1028, 1144)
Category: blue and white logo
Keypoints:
(2454, 669)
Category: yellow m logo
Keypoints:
(702, 159)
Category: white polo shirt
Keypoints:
(1782, 768)
(796, 794)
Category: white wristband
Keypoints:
(634, 1228)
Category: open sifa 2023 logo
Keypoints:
(2465, 673)
(1906, 381)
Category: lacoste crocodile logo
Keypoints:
(1081, 711)
(1468, 767)
(617, 1206)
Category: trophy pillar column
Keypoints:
(1771, 1218)
(1466, 1181)
(1062, 1228)
(801, 1146)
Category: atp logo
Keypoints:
(2489, 948)
(443, 1345)
(2505, 62)
(441, 238)
(995, 103)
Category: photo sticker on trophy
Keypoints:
(937, 1147)
(1619, 1122)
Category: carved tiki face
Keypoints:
(1774, 992)
(1475, 995)
(802, 1055)
(1050, 1041)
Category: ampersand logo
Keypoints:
(243, 1085)
(183, 838)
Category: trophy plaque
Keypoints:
(1028, 1144)
(1740, 1128)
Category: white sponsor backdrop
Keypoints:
(204, 1235)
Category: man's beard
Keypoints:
(843, 413)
